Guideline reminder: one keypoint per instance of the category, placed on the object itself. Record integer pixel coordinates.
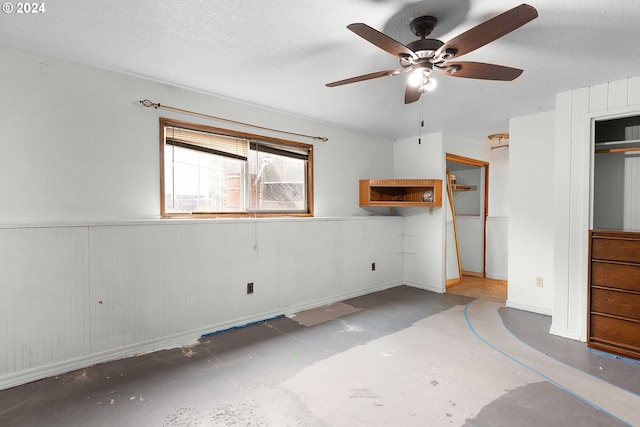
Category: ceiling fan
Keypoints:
(422, 56)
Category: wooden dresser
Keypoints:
(614, 292)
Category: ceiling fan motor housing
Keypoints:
(422, 26)
(425, 48)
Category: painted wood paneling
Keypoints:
(618, 94)
(562, 217)
(634, 91)
(75, 296)
(581, 153)
(43, 277)
(599, 97)
(574, 154)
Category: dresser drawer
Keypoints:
(619, 276)
(621, 304)
(623, 333)
(615, 248)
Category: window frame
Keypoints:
(164, 122)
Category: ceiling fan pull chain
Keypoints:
(421, 121)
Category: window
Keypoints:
(208, 171)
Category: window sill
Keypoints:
(215, 215)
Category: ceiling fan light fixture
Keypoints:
(416, 77)
(428, 84)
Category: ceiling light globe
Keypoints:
(415, 78)
(429, 84)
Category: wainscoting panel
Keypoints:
(43, 309)
(78, 295)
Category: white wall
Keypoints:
(575, 112)
(89, 272)
(498, 215)
(478, 150)
(499, 180)
(470, 219)
(78, 146)
(471, 242)
(424, 229)
(469, 202)
(451, 257)
(530, 192)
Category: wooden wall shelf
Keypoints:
(462, 187)
(401, 192)
(614, 292)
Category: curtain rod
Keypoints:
(156, 105)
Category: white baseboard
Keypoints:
(436, 289)
(565, 333)
(530, 308)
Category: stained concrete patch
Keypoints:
(435, 372)
(315, 316)
(524, 403)
(447, 369)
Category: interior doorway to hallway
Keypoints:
(468, 188)
(481, 288)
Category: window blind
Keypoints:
(208, 142)
(300, 152)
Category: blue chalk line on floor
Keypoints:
(535, 371)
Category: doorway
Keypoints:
(467, 191)
(468, 179)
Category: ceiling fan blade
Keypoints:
(480, 70)
(490, 30)
(385, 73)
(411, 94)
(381, 40)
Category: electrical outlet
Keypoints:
(373, 266)
(249, 288)
(539, 282)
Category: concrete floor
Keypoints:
(403, 357)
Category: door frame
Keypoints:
(482, 164)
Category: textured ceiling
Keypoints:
(280, 53)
